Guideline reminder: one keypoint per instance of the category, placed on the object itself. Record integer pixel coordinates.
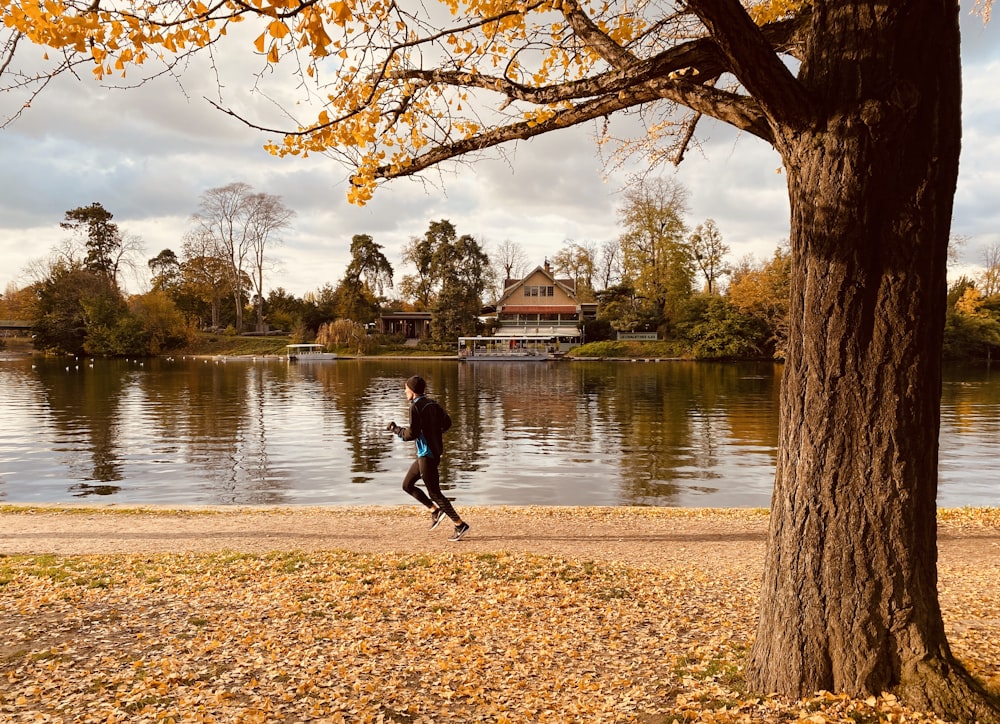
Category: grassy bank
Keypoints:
(226, 345)
(629, 349)
(203, 344)
(233, 345)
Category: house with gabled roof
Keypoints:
(542, 306)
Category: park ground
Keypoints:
(365, 615)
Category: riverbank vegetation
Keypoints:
(659, 277)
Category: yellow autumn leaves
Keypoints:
(310, 28)
(374, 115)
(131, 34)
(343, 637)
(350, 637)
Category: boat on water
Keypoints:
(308, 353)
(505, 349)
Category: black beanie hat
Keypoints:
(417, 384)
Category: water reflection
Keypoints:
(85, 413)
(970, 436)
(581, 433)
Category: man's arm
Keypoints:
(411, 431)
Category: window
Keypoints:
(539, 291)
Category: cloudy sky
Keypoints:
(148, 154)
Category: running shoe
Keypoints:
(460, 530)
(436, 517)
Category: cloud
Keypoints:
(149, 153)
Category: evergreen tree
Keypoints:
(103, 240)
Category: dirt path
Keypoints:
(640, 536)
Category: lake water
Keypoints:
(249, 432)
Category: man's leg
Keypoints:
(410, 484)
(429, 472)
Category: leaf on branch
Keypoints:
(277, 29)
(341, 12)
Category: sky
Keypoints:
(148, 154)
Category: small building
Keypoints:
(411, 325)
(541, 306)
(15, 326)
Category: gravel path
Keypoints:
(731, 538)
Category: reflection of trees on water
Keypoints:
(674, 418)
(267, 484)
(228, 431)
(970, 400)
(84, 409)
(271, 432)
(658, 426)
(224, 426)
(354, 390)
(82, 490)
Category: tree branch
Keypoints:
(728, 107)
(587, 30)
(737, 110)
(519, 132)
(684, 74)
(752, 59)
(701, 59)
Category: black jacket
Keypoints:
(429, 418)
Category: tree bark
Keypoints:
(849, 599)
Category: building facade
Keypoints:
(541, 306)
(411, 325)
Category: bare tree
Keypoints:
(68, 253)
(129, 256)
(989, 280)
(267, 217)
(510, 262)
(241, 225)
(609, 264)
(709, 252)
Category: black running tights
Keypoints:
(427, 470)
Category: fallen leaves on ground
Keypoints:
(351, 637)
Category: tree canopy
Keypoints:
(504, 70)
(107, 248)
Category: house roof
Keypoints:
(538, 309)
(405, 315)
(567, 285)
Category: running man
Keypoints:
(428, 421)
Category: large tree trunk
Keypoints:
(849, 601)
